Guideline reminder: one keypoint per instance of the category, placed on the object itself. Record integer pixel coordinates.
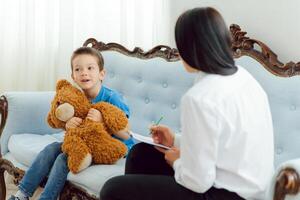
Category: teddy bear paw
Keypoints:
(86, 162)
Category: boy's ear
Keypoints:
(102, 74)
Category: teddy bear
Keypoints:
(92, 141)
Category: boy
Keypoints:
(88, 73)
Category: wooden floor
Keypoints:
(12, 189)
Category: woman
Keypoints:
(226, 146)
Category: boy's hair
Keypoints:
(88, 51)
(204, 42)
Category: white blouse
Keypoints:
(227, 136)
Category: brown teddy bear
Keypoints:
(91, 141)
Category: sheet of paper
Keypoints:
(147, 140)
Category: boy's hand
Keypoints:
(123, 134)
(73, 122)
(94, 115)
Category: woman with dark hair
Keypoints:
(225, 150)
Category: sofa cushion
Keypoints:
(90, 179)
(14, 161)
(25, 147)
(93, 178)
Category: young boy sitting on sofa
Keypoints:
(88, 73)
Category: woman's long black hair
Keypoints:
(203, 41)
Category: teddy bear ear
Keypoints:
(50, 122)
(62, 83)
(53, 122)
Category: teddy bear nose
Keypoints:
(64, 112)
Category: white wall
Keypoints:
(274, 22)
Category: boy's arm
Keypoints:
(118, 101)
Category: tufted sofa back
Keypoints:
(152, 88)
(284, 99)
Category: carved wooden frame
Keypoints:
(162, 51)
(287, 182)
(243, 45)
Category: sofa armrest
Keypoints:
(3, 113)
(24, 112)
(286, 180)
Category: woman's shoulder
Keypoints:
(196, 95)
(218, 87)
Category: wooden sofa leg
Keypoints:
(2, 184)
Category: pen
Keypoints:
(157, 123)
(159, 120)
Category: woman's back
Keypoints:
(239, 120)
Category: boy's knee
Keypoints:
(53, 148)
(49, 153)
(62, 159)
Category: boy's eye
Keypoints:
(90, 68)
(76, 69)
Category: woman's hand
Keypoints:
(162, 135)
(73, 122)
(171, 155)
(94, 115)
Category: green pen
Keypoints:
(157, 123)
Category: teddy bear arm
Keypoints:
(113, 117)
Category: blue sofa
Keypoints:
(152, 82)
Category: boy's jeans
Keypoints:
(49, 160)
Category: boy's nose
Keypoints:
(83, 73)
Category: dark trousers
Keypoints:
(149, 177)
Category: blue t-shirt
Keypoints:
(113, 97)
